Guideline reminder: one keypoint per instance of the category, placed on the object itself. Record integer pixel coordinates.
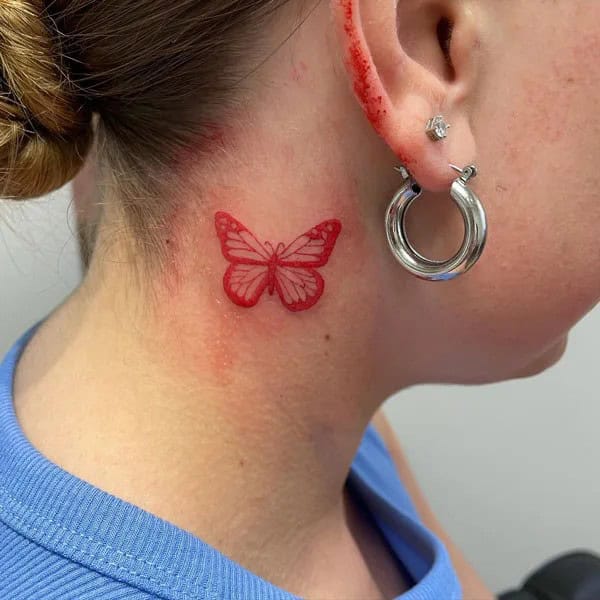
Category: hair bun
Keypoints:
(45, 127)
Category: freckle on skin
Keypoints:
(174, 223)
(327, 337)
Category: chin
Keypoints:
(544, 361)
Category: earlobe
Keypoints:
(408, 62)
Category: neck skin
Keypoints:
(219, 418)
(232, 422)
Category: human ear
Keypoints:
(408, 61)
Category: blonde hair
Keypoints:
(158, 74)
(44, 126)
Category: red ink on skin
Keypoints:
(289, 270)
(361, 67)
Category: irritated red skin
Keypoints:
(365, 84)
(206, 333)
(213, 138)
(299, 71)
(361, 67)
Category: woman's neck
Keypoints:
(219, 418)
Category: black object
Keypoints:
(573, 576)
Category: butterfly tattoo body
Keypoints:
(288, 270)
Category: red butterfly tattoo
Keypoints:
(289, 270)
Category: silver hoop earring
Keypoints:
(473, 215)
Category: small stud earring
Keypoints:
(437, 128)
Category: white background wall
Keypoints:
(512, 469)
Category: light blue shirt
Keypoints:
(61, 538)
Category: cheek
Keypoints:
(540, 271)
(532, 285)
(539, 141)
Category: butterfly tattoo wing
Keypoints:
(298, 288)
(313, 248)
(238, 243)
(297, 282)
(248, 275)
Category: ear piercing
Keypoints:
(466, 200)
(437, 128)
